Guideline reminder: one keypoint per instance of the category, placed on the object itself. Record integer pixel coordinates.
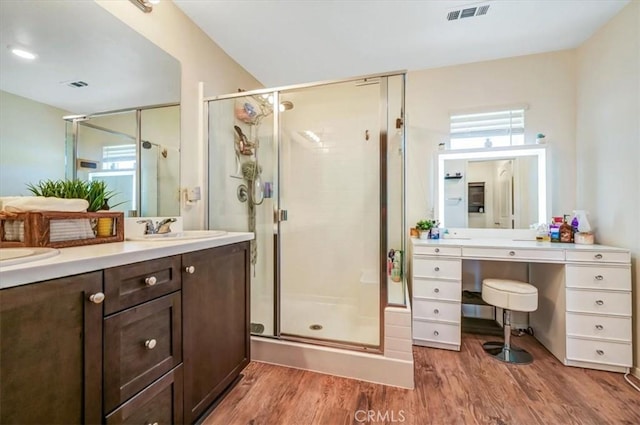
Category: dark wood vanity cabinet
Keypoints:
(51, 352)
(158, 350)
(215, 295)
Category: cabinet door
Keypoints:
(50, 352)
(216, 323)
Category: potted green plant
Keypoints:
(424, 227)
(95, 192)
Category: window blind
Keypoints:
(502, 125)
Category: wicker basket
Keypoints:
(59, 229)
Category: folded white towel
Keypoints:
(41, 203)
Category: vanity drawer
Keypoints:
(436, 331)
(514, 253)
(590, 350)
(437, 268)
(436, 310)
(446, 251)
(594, 256)
(588, 325)
(133, 284)
(140, 345)
(598, 277)
(160, 403)
(437, 289)
(601, 302)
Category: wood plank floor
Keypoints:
(451, 388)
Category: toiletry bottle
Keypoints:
(566, 232)
(554, 230)
(574, 226)
(396, 271)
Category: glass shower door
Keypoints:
(330, 187)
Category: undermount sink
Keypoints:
(11, 256)
(179, 236)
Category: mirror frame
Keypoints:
(539, 151)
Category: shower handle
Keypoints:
(281, 215)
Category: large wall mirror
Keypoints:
(55, 120)
(493, 188)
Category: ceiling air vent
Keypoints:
(468, 12)
(77, 84)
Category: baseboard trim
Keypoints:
(636, 372)
(374, 368)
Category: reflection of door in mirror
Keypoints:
(504, 200)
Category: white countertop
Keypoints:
(83, 259)
(511, 243)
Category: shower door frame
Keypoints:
(383, 106)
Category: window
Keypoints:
(119, 157)
(487, 129)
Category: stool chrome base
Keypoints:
(512, 354)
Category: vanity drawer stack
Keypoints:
(437, 288)
(143, 342)
(598, 317)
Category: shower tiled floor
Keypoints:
(340, 322)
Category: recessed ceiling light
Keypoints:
(23, 53)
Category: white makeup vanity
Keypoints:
(584, 294)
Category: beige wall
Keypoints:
(202, 61)
(545, 82)
(32, 143)
(608, 138)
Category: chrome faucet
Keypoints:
(161, 227)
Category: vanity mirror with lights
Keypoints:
(501, 188)
(55, 120)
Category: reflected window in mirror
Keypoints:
(497, 188)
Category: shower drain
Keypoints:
(315, 327)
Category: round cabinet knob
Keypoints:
(599, 327)
(600, 352)
(190, 269)
(436, 290)
(599, 277)
(437, 269)
(600, 302)
(150, 281)
(437, 250)
(436, 311)
(598, 256)
(150, 344)
(96, 298)
(155, 423)
(436, 333)
(512, 253)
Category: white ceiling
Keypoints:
(288, 42)
(80, 40)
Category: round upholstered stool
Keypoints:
(510, 295)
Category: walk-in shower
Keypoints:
(319, 180)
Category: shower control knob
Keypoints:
(150, 281)
(190, 269)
